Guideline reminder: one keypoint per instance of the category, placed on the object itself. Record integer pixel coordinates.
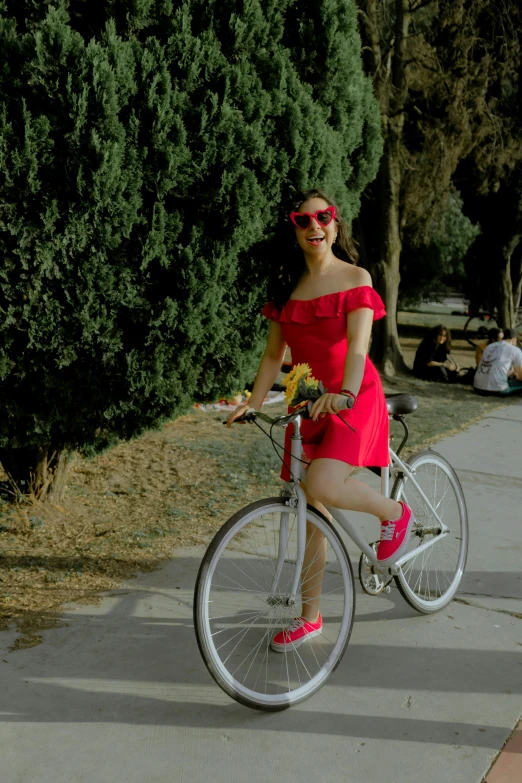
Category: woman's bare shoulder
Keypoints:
(355, 276)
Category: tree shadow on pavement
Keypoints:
(135, 660)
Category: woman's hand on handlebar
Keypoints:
(327, 403)
(239, 411)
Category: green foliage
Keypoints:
(145, 150)
(497, 252)
(437, 267)
(490, 177)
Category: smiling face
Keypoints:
(441, 338)
(316, 240)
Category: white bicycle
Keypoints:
(251, 580)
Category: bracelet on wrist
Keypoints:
(351, 396)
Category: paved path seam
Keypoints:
(503, 418)
(516, 615)
(515, 480)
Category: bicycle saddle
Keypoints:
(400, 404)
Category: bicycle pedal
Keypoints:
(373, 580)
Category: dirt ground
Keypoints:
(127, 510)
(123, 512)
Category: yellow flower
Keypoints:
(297, 371)
(294, 377)
(291, 389)
(292, 380)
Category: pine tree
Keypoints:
(145, 152)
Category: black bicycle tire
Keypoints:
(198, 609)
(396, 485)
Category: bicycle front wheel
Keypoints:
(430, 579)
(242, 599)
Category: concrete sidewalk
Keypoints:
(121, 695)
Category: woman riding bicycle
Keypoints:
(323, 307)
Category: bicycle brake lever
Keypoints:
(249, 416)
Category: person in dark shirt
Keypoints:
(432, 360)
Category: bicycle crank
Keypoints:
(372, 581)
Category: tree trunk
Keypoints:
(516, 277)
(386, 350)
(40, 473)
(510, 285)
(506, 310)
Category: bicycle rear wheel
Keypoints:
(237, 611)
(430, 579)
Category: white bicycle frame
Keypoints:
(297, 471)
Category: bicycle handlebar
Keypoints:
(282, 421)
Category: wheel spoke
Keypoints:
(430, 579)
(240, 616)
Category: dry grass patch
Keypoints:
(123, 512)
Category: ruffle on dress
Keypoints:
(307, 311)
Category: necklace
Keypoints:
(323, 271)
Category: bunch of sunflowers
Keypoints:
(301, 386)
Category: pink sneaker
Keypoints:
(298, 632)
(395, 537)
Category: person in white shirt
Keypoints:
(500, 368)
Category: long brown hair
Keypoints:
(434, 333)
(289, 262)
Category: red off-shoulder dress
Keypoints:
(315, 330)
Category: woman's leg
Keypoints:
(313, 564)
(329, 482)
(437, 374)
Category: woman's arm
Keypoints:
(269, 366)
(436, 355)
(267, 372)
(359, 329)
(515, 370)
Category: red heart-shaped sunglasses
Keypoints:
(323, 216)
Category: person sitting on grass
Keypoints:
(500, 369)
(432, 360)
(495, 335)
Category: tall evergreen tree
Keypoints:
(145, 150)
